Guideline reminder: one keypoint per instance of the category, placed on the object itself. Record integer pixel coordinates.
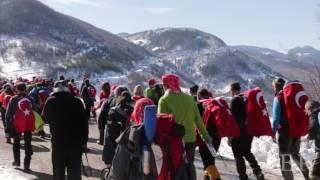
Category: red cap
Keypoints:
(151, 82)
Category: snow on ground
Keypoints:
(267, 152)
(7, 173)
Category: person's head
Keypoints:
(61, 86)
(172, 82)
(138, 90)
(105, 87)
(125, 97)
(21, 87)
(158, 89)
(72, 81)
(278, 84)
(235, 88)
(312, 106)
(119, 90)
(203, 94)
(138, 111)
(61, 78)
(87, 82)
(194, 90)
(8, 90)
(151, 82)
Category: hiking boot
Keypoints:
(8, 140)
(260, 176)
(16, 163)
(26, 165)
(27, 169)
(211, 172)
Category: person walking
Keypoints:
(20, 120)
(68, 124)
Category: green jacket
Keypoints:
(186, 112)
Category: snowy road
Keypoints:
(42, 169)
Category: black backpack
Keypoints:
(127, 163)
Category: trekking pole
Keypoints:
(84, 169)
(90, 169)
(214, 153)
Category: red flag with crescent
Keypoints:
(257, 114)
(295, 99)
(24, 120)
(217, 113)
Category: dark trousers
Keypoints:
(88, 105)
(241, 148)
(3, 114)
(190, 150)
(316, 167)
(66, 158)
(205, 154)
(113, 131)
(27, 147)
(289, 146)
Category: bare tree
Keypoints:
(315, 83)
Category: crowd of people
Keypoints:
(162, 114)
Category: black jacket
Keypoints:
(238, 108)
(103, 116)
(89, 101)
(314, 129)
(66, 117)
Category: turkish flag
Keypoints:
(24, 119)
(257, 114)
(295, 99)
(217, 113)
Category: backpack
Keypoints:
(295, 99)
(169, 137)
(217, 113)
(127, 163)
(43, 95)
(258, 122)
(6, 101)
(119, 115)
(24, 120)
(92, 92)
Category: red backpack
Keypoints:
(171, 146)
(6, 101)
(42, 97)
(295, 99)
(92, 92)
(258, 121)
(24, 120)
(217, 113)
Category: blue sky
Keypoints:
(276, 24)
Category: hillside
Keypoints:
(38, 37)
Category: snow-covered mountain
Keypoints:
(172, 40)
(36, 37)
(296, 64)
(305, 54)
(204, 58)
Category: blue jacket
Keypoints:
(278, 117)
